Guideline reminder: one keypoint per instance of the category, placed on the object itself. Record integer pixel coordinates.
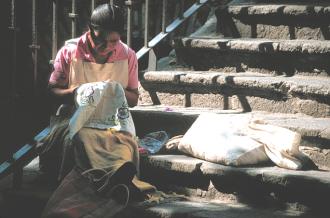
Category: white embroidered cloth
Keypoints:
(101, 105)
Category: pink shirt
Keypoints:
(79, 47)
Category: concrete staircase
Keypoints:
(195, 188)
(250, 65)
(269, 59)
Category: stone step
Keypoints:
(177, 120)
(287, 11)
(172, 208)
(259, 184)
(205, 209)
(275, 19)
(251, 91)
(30, 200)
(283, 57)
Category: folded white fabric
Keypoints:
(240, 140)
(222, 139)
(101, 105)
(281, 144)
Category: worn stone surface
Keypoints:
(257, 45)
(272, 32)
(264, 10)
(164, 76)
(202, 209)
(300, 10)
(165, 98)
(197, 100)
(279, 31)
(317, 127)
(280, 9)
(177, 120)
(296, 94)
(291, 105)
(285, 184)
(35, 193)
(211, 100)
(320, 156)
(250, 45)
(172, 206)
(275, 20)
(284, 32)
(285, 57)
(296, 85)
(304, 46)
(210, 43)
(310, 33)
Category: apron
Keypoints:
(86, 72)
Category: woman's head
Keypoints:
(108, 18)
(106, 24)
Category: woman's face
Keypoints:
(102, 40)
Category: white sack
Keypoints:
(281, 144)
(222, 139)
(239, 140)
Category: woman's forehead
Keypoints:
(102, 32)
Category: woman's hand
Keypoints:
(65, 94)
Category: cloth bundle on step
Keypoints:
(281, 145)
(240, 140)
(222, 139)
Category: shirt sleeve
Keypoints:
(60, 74)
(133, 82)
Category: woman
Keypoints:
(106, 158)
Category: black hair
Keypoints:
(107, 18)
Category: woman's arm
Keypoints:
(132, 96)
(65, 95)
(131, 92)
